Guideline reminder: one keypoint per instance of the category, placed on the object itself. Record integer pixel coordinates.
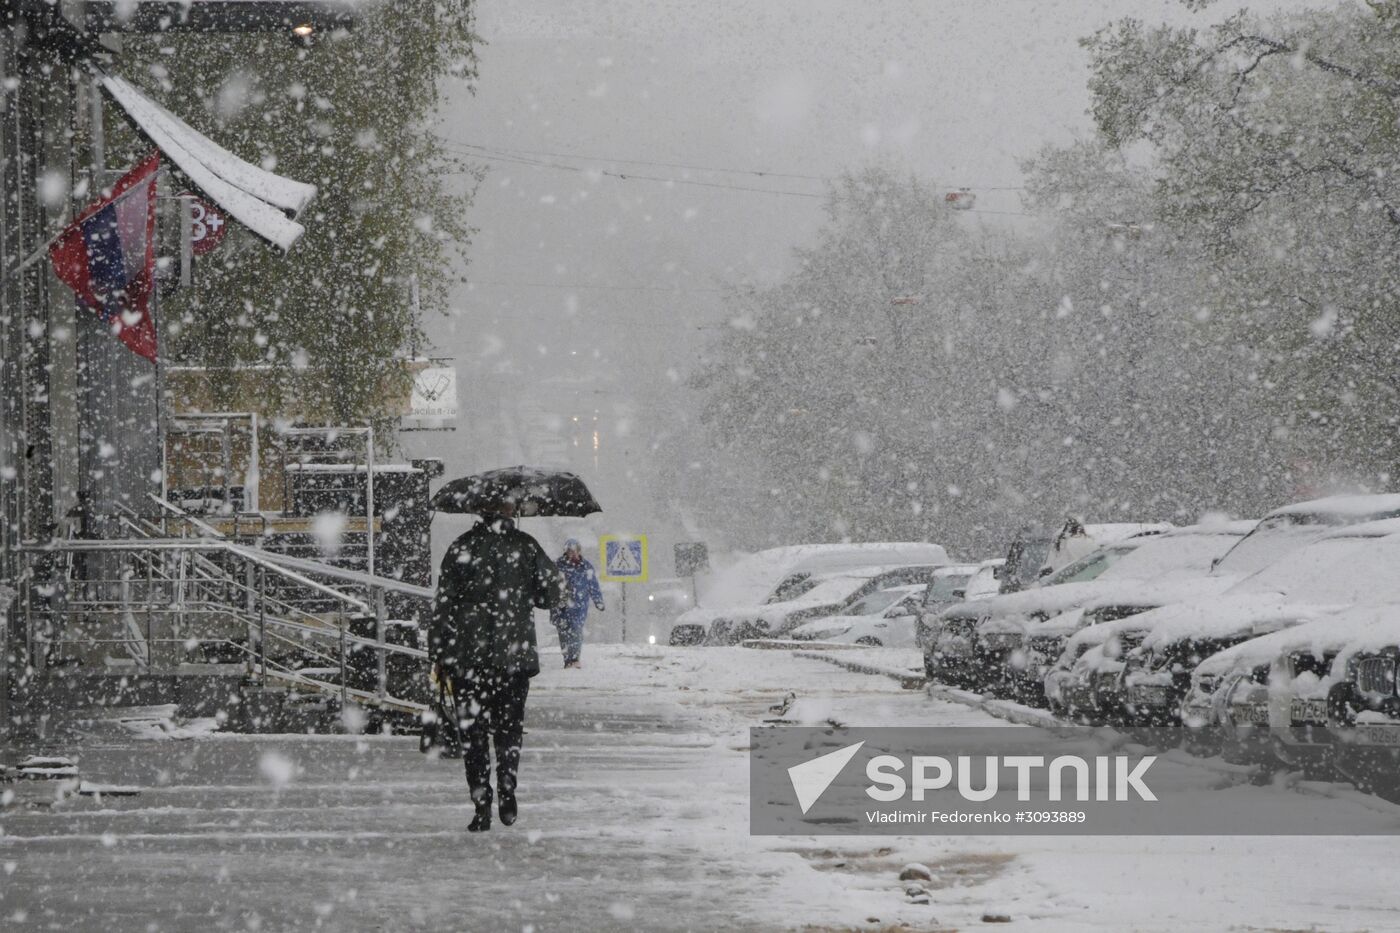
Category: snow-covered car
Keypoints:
(983, 582)
(1290, 688)
(779, 573)
(1292, 526)
(1038, 553)
(1226, 707)
(1084, 683)
(951, 651)
(884, 618)
(1364, 707)
(948, 587)
(1016, 647)
(986, 582)
(1341, 567)
(830, 594)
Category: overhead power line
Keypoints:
(601, 287)
(524, 157)
(761, 173)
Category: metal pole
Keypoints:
(344, 695)
(226, 461)
(99, 139)
(250, 485)
(624, 613)
(381, 674)
(150, 613)
(5, 606)
(182, 562)
(262, 621)
(369, 494)
(186, 241)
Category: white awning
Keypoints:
(255, 197)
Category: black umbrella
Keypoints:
(530, 490)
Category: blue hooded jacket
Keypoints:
(580, 588)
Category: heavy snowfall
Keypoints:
(443, 441)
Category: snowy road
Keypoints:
(634, 815)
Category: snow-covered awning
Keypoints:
(255, 197)
(158, 16)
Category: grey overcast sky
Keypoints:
(590, 294)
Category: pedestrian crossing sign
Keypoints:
(624, 558)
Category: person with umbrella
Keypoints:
(481, 635)
(581, 588)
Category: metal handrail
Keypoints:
(221, 593)
(208, 529)
(254, 555)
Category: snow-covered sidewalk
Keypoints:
(634, 815)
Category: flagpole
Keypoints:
(154, 311)
(38, 254)
(64, 223)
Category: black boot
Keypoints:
(482, 820)
(508, 809)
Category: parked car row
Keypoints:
(1275, 644)
(778, 589)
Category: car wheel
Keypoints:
(869, 641)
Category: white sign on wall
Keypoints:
(434, 394)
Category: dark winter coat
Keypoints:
(580, 589)
(492, 580)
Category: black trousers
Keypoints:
(491, 708)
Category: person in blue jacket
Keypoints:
(580, 588)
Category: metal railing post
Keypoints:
(381, 674)
(262, 623)
(344, 685)
(27, 599)
(369, 496)
(181, 581)
(150, 614)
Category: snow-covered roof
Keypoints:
(748, 580)
(159, 16)
(254, 197)
(816, 558)
(1109, 532)
(1182, 552)
(1373, 529)
(1344, 507)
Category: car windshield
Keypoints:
(1276, 536)
(876, 602)
(1087, 568)
(1026, 557)
(941, 590)
(791, 587)
(1185, 554)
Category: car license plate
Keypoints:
(1309, 711)
(1256, 714)
(1378, 733)
(1152, 696)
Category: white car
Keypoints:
(782, 573)
(830, 594)
(883, 618)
